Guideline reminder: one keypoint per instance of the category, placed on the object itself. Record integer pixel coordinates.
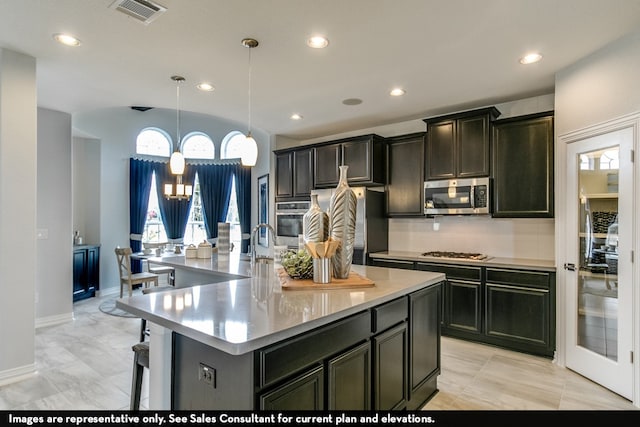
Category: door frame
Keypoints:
(627, 121)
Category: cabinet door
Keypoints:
(424, 350)
(473, 137)
(523, 168)
(79, 273)
(349, 380)
(441, 150)
(302, 173)
(304, 393)
(392, 263)
(327, 160)
(284, 175)
(357, 155)
(464, 306)
(405, 166)
(391, 370)
(93, 268)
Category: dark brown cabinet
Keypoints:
(405, 167)
(349, 380)
(86, 271)
(523, 167)
(294, 174)
(458, 145)
(303, 393)
(365, 156)
(391, 369)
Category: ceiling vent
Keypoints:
(142, 10)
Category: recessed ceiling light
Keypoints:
(397, 92)
(530, 58)
(296, 116)
(318, 42)
(207, 87)
(66, 39)
(352, 101)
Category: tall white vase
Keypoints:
(342, 219)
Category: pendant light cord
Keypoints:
(178, 115)
(249, 107)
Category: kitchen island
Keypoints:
(249, 344)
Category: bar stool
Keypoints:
(141, 357)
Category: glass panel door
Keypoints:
(599, 270)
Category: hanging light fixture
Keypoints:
(176, 162)
(249, 150)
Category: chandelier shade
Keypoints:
(249, 148)
(177, 162)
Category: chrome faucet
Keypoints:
(252, 241)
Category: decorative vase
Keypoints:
(315, 222)
(342, 220)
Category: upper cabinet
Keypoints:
(405, 168)
(458, 145)
(365, 155)
(294, 174)
(523, 167)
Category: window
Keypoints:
(198, 145)
(154, 231)
(232, 145)
(195, 232)
(154, 142)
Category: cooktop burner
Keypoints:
(457, 255)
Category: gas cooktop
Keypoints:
(456, 255)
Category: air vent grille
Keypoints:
(142, 10)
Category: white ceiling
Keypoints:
(449, 55)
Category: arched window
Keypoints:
(198, 145)
(154, 142)
(232, 145)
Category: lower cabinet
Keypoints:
(86, 271)
(385, 358)
(513, 308)
(302, 393)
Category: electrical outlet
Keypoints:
(207, 375)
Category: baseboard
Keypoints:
(58, 319)
(17, 374)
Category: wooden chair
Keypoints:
(162, 269)
(123, 255)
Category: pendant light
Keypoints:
(176, 162)
(249, 150)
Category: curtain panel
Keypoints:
(243, 198)
(140, 175)
(215, 191)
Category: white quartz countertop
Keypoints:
(242, 315)
(234, 265)
(536, 264)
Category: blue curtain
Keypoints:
(140, 175)
(174, 213)
(243, 197)
(215, 190)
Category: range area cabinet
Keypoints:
(365, 155)
(294, 174)
(86, 271)
(458, 145)
(405, 166)
(383, 358)
(522, 167)
(513, 308)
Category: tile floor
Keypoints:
(87, 364)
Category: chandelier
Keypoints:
(249, 149)
(176, 162)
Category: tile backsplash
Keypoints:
(497, 237)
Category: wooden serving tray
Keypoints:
(353, 281)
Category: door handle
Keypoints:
(569, 266)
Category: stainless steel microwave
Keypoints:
(468, 196)
(289, 222)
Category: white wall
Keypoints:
(18, 162)
(116, 130)
(86, 188)
(54, 302)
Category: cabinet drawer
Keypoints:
(392, 263)
(278, 361)
(453, 272)
(389, 314)
(535, 279)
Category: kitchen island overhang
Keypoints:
(244, 319)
